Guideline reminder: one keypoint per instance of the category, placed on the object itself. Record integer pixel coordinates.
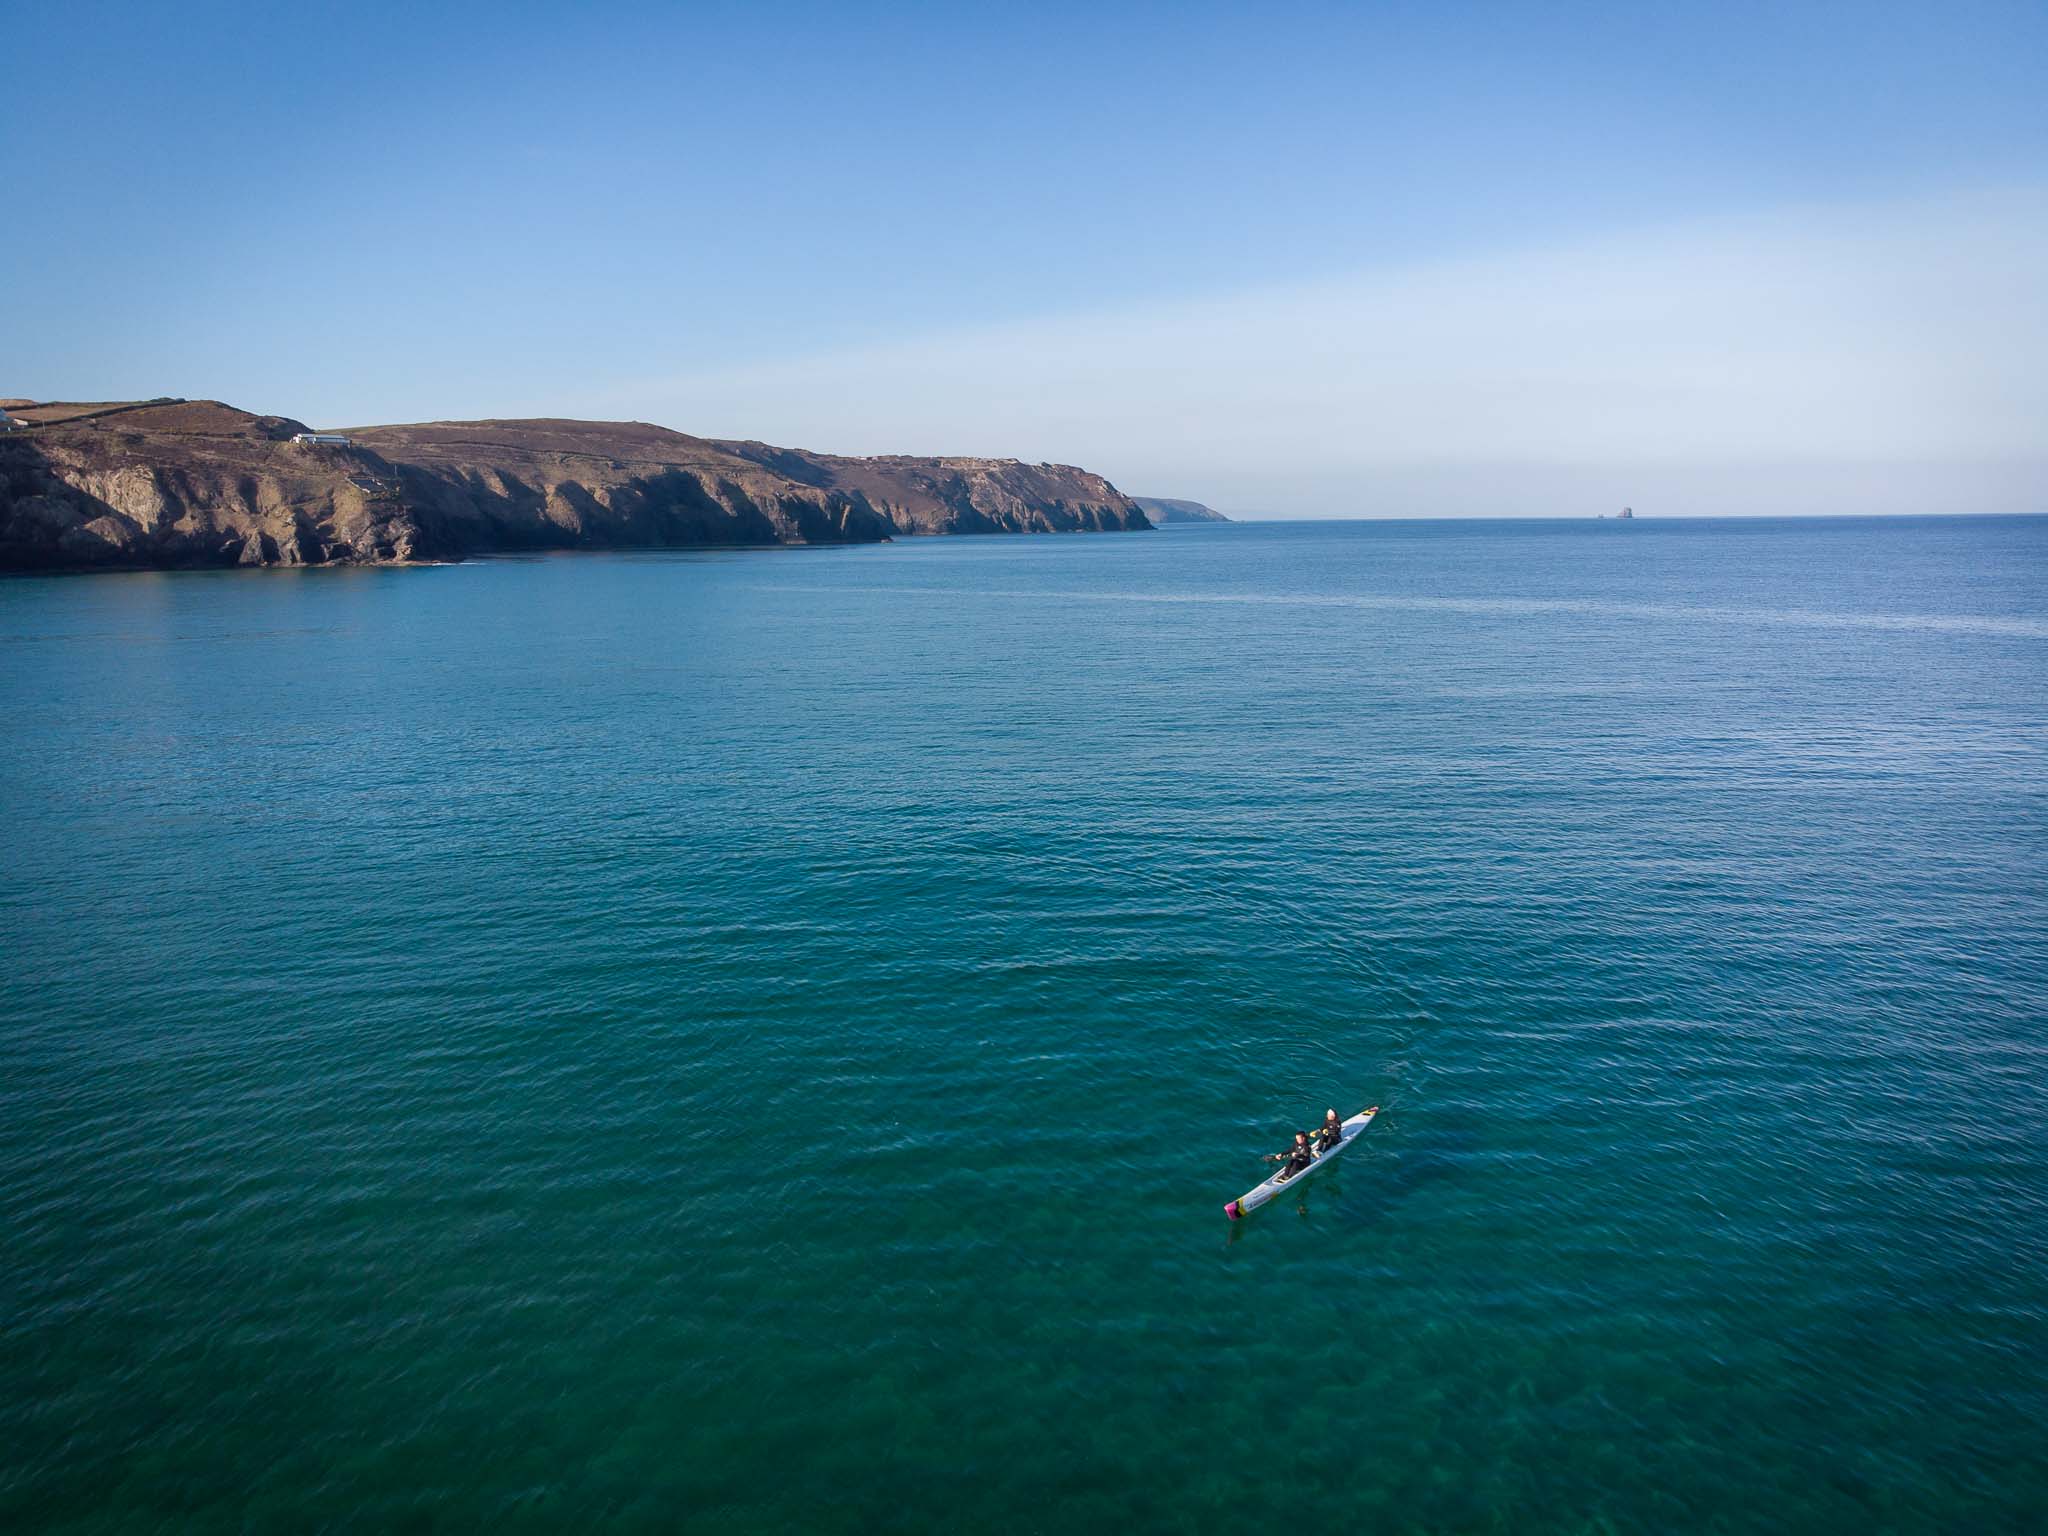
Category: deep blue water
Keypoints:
(763, 1039)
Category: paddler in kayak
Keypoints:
(1296, 1157)
(1331, 1133)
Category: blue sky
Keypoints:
(1101, 233)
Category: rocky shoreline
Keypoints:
(171, 483)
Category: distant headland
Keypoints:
(1165, 509)
(172, 483)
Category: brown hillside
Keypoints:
(199, 482)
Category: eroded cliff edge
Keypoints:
(194, 483)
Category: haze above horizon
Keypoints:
(1307, 260)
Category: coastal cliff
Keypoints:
(1168, 509)
(481, 486)
(960, 495)
(167, 483)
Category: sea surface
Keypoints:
(762, 1040)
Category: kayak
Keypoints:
(1266, 1191)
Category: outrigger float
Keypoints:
(1255, 1198)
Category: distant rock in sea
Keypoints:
(171, 482)
(1164, 509)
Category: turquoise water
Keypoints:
(763, 1039)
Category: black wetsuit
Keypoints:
(1298, 1158)
(1329, 1136)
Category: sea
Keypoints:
(762, 1040)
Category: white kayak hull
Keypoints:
(1257, 1197)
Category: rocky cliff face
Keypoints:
(493, 485)
(191, 483)
(173, 482)
(960, 495)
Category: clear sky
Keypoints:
(1305, 260)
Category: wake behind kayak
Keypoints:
(1252, 1199)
